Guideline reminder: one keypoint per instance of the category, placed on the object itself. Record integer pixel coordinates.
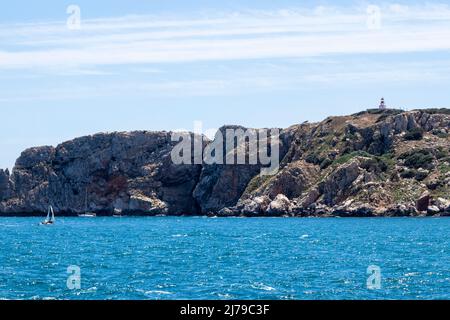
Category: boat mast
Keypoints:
(86, 201)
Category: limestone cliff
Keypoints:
(373, 163)
(128, 171)
(369, 164)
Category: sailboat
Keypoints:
(86, 213)
(50, 217)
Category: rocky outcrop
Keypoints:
(222, 185)
(423, 202)
(280, 205)
(254, 207)
(374, 163)
(132, 172)
(360, 165)
(336, 187)
(5, 185)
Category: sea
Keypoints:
(173, 258)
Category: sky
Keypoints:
(161, 65)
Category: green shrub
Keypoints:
(436, 111)
(325, 163)
(257, 182)
(441, 153)
(414, 134)
(440, 134)
(418, 159)
(408, 174)
(376, 164)
(388, 159)
(444, 168)
(346, 157)
(421, 175)
(386, 112)
(375, 111)
(312, 158)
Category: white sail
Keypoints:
(50, 219)
(48, 215)
(53, 214)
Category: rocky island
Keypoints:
(373, 163)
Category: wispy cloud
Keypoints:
(250, 35)
(257, 78)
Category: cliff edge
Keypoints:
(374, 163)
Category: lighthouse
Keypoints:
(382, 105)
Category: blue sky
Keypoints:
(158, 65)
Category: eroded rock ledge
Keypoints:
(375, 163)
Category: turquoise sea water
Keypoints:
(225, 258)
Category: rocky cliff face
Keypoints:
(128, 171)
(5, 185)
(368, 164)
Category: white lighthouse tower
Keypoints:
(382, 105)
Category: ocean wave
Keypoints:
(262, 286)
(179, 235)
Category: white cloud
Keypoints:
(255, 78)
(252, 35)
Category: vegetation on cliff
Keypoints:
(373, 163)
